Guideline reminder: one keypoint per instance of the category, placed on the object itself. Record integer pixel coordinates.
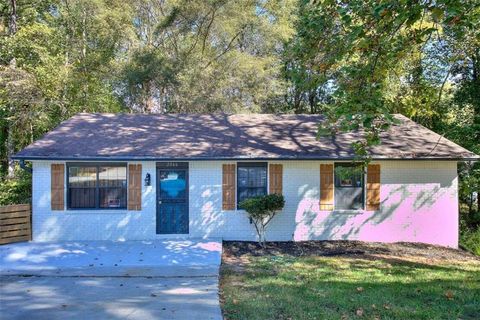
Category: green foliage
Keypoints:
(261, 211)
(263, 207)
(362, 60)
(57, 63)
(16, 190)
(470, 240)
(344, 172)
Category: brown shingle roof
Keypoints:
(220, 136)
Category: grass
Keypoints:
(363, 287)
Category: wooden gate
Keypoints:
(15, 223)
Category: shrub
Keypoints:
(16, 190)
(470, 240)
(261, 211)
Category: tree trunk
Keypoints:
(10, 151)
(311, 101)
(263, 240)
(12, 25)
(149, 102)
(470, 205)
(84, 34)
(478, 200)
(10, 145)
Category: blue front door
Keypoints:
(172, 198)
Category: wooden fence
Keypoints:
(15, 223)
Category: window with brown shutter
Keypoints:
(276, 182)
(326, 187)
(228, 186)
(349, 186)
(135, 187)
(96, 185)
(57, 172)
(373, 187)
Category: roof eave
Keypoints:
(143, 158)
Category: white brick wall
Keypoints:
(90, 224)
(419, 203)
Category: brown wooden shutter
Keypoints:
(373, 187)
(326, 187)
(57, 172)
(135, 187)
(275, 183)
(228, 187)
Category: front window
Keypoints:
(348, 186)
(251, 180)
(92, 186)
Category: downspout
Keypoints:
(24, 166)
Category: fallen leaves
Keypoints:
(359, 312)
(449, 294)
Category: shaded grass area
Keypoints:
(283, 286)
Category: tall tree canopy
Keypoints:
(357, 61)
(360, 61)
(204, 56)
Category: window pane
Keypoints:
(112, 177)
(113, 197)
(82, 177)
(348, 198)
(242, 194)
(242, 177)
(251, 180)
(87, 190)
(82, 198)
(348, 187)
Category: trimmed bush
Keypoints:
(470, 240)
(261, 211)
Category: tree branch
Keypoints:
(226, 49)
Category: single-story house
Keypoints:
(140, 177)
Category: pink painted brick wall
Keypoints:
(419, 203)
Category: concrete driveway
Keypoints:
(172, 279)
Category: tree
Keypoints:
(63, 54)
(261, 211)
(353, 49)
(204, 56)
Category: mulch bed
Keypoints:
(238, 249)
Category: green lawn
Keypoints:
(287, 287)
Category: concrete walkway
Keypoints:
(170, 279)
(81, 298)
(159, 258)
